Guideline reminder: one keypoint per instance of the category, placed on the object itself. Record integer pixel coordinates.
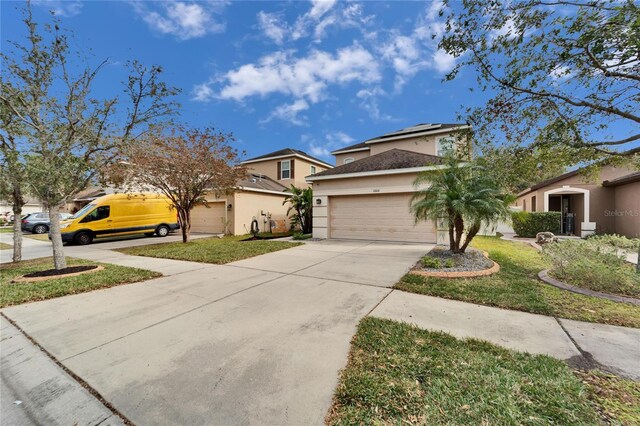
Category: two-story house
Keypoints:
(259, 196)
(368, 194)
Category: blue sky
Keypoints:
(308, 75)
(311, 75)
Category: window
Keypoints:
(348, 160)
(313, 170)
(533, 203)
(100, 213)
(285, 169)
(445, 146)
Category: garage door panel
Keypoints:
(208, 220)
(385, 217)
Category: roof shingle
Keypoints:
(388, 160)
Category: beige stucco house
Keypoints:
(259, 196)
(610, 205)
(368, 194)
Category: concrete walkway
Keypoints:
(261, 341)
(611, 348)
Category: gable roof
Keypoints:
(284, 153)
(393, 159)
(422, 129)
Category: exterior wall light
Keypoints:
(318, 201)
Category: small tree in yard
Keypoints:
(465, 196)
(70, 136)
(184, 165)
(301, 203)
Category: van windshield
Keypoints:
(82, 211)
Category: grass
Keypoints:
(5, 246)
(210, 250)
(398, 374)
(111, 275)
(616, 399)
(39, 237)
(517, 287)
(6, 229)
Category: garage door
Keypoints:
(384, 217)
(208, 220)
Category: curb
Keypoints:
(544, 276)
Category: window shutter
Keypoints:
(292, 169)
(279, 170)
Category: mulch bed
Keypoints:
(58, 273)
(472, 263)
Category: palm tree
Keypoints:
(464, 195)
(301, 202)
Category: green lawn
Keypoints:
(39, 237)
(517, 287)
(401, 375)
(6, 229)
(5, 246)
(111, 275)
(210, 250)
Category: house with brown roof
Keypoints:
(368, 194)
(259, 195)
(609, 205)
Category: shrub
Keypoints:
(528, 224)
(589, 264)
(431, 262)
(616, 241)
(449, 263)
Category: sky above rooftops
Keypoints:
(310, 75)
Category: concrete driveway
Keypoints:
(260, 341)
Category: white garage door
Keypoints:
(208, 220)
(384, 217)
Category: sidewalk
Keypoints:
(37, 391)
(611, 348)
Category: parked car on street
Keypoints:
(38, 223)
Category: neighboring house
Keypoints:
(257, 196)
(287, 166)
(610, 205)
(368, 194)
(32, 206)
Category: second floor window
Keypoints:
(313, 170)
(285, 169)
(348, 160)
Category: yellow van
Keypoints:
(120, 214)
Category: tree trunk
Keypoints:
(638, 264)
(59, 261)
(185, 225)
(459, 225)
(17, 235)
(452, 245)
(475, 228)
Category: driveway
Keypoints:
(259, 341)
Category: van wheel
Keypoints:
(83, 238)
(40, 229)
(162, 230)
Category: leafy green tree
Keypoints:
(464, 195)
(301, 203)
(561, 73)
(71, 135)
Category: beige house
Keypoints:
(368, 194)
(287, 166)
(610, 205)
(259, 196)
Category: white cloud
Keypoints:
(184, 20)
(202, 92)
(66, 8)
(289, 112)
(302, 78)
(331, 142)
(442, 61)
(320, 7)
(370, 104)
(273, 26)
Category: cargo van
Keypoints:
(120, 214)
